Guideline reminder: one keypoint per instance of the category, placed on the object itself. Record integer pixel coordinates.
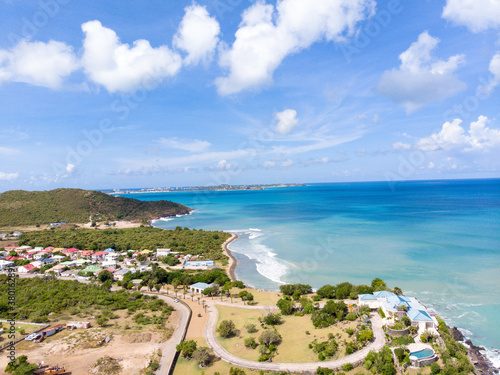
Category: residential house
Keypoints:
(204, 264)
(58, 258)
(198, 288)
(109, 264)
(4, 264)
(109, 250)
(81, 262)
(86, 254)
(37, 264)
(72, 253)
(92, 269)
(162, 252)
(16, 234)
(70, 273)
(398, 306)
(118, 275)
(57, 269)
(47, 260)
(21, 249)
(111, 257)
(99, 256)
(27, 268)
(74, 325)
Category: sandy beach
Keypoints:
(232, 260)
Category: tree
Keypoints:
(326, 291)
(378, 284)
(105, 276)
(20, 366)
(251, 328)
(268, 338)
(272, 319)
(226, 329)
(249, 297)
(101, 321)
(202, 356)
(187, 348)
(286, 306)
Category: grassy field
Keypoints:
(28, 328)
(295, 342)
(185, 367)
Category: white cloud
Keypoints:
(183, 144)
(267, 35)
(70, 168)
(120, 67)
(269, 164)
(197, 35)
(495, 70)
(287, 163)
(7, 151)
(421, 79)
(287, 121)
(223, 165)
(453, 136)
(38, 63)
(8, 176)
(401, 146)
(476, 15)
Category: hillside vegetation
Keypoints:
(19, 207)
(195, 242)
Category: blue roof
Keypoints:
(200, 263)
(109, 250)
(383, 294)
(200, 286)
(419, 316)
(367, 297)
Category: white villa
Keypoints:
(198, 288)
(397, 306)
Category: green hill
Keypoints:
(19, 207)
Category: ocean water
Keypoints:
(437, 240)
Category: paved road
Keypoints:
(212, 341)
(168, 348)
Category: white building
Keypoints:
(4, 264)
(162, 252)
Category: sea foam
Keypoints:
(267, 263)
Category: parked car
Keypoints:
(176, 300)
(31, 337)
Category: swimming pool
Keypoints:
(424, 353)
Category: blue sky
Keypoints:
(121, 94)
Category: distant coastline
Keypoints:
(200, 188)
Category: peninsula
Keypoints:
(25, 208)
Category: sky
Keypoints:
(128, 94)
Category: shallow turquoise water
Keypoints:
(424, 353)
(437, 240)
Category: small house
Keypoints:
(27, 268)
(198, 288)
(75, 325)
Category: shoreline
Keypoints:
(232, 260)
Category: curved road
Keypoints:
(169, 347)
(212, 341)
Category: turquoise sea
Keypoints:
(437, 240)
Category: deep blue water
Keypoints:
(437, 240)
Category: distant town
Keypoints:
(222, 187)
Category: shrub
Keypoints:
(227, 329)
(251, 328)
(347, 367)
(187, 348)
(435, 369)
(350, 331)
(272, 319)
(351, 316)
(250, 343)
(268, 338)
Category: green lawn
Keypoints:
(294, 347)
